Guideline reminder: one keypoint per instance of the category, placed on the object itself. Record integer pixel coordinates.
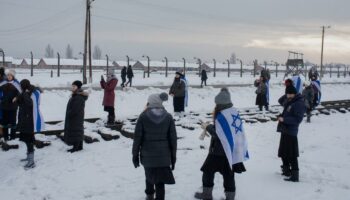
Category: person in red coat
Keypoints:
(109, 96)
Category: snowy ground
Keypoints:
(104, 170)
(42, 78)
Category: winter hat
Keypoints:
(223, 98)
(291, 90)
(307, 83)
(288, 82)
(156, 100)
(78, 84)
(179, 73)
(25, 84)
(11, 72)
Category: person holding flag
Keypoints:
(298, 83)
(316, 85)
(30, 119)
(228, 147)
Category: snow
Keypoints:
(104, 170)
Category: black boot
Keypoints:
(308, 119)
(294, 177)
(207, 194)
(286, 171)
(150, 197)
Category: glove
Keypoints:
(102, 78)
(204, 125)
(136, 161)
(203, 134)
(173, 161)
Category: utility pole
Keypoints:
(107, 63)
(241, 71)
(166, 66)
(184, 66)
(214, 67)
(127, 61)
(323, 31)
(148, 64)
(58, 64)
(3, 57)
(87, 43)
(31, 64)
(199, 66)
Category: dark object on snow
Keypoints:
(40, 144)
(204, 78)
(90, 140)
(6, 147)
(123, 76)
(74, 123)
(108, 137)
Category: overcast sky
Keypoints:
(253, 29)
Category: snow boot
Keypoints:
(207, 194)
(111, 121)
(230, 195)
(286, 171)
(308, 119)
(294, 177)
(25, 159)
(150, 197)
(30, 164)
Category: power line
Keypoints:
(33, 25)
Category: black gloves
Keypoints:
(136, 161)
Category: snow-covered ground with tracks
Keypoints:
(104, 171)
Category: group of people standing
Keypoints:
(19, 111)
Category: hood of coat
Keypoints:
(156, 115)
(82, 93)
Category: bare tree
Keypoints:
(97, 55)
(69, 52)
(233, 58)
(49, 51)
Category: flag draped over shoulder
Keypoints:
(298, 83)
(38, 120)
(317, 84)
(229, 128)
(183, 78)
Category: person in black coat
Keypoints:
(178, 91)
(9, 106)
(123, 76)
(74, 123)
(204, 78)
(26, 121)
(130, 75)
(155, 144)
(216, 160)
(288, 125)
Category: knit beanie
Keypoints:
(223, 98)
(11, 72)
(156, 100)
(291, 90)
(78, 84)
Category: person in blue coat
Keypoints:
(288, 125)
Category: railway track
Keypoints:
(190, 122)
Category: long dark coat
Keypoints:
(261, 92)
(74, 123)
(130, 73)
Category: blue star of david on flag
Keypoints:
(237, 123)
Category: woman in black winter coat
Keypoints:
(155, 144)
(74, 123)
(26, 121)
(261, 94)
(178, 91)
(130, 75)
(216, 160)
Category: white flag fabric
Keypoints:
(38, 120)
(229, 128)
(298, 83)
(317, 84)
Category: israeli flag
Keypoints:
(229, 128)
(317, 84)
(38, 120)
(298, 83)
(267, 91)
(183, 78)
